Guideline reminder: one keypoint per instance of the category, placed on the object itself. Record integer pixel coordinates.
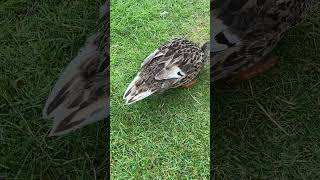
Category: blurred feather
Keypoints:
(80, 96)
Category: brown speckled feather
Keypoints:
(173, 64)
(80, 96)
(245, 31)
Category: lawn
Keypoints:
(269, 128)
(165, 135)
(39, 38)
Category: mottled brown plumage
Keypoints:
(173, 64)
(244, 32)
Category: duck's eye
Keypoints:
(179, 73)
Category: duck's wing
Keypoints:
(225, 33)
(230, 20)
(245, 31)
(168, 59)
(80, 96)
(161, 53)
(137, 90)
(140, 87)
(180, 58)
(162, 68)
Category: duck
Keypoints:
(175, 63)
(80, 95)
(244, 33)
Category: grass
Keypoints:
(165, 135)
(248, 142)
(38, 38)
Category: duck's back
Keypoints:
(244, 31)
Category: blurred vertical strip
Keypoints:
(104, 67)
(212, 100)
